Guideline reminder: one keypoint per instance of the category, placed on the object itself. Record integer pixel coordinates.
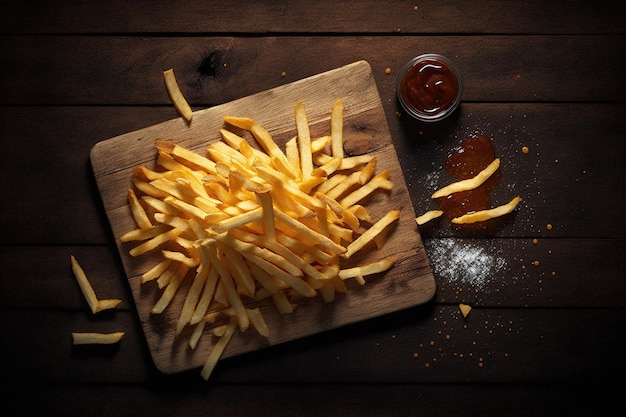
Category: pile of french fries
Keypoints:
(253, 223)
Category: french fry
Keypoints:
(347, 163)
(469, 184)
(267, 216)
(90, 338)
(196, 334)
(170, 290)
(293, 155)
(217, 351)
(304, 140)
(371, 233)
(172, 221)
(95, 304)
(360, 213)
(107, 304)
(176, 95)
(428, 216)
(155, 242)
(170, 148)
(350, 181)
(336, 129)
(258, 322)
(465, 309)
(159, 205)
(166, 276)
(139, 213)
(156, 271)
(331, 183)
(239, 270)
(267, 281)
(207, 294)
(319, 144)
(326, 169)
(379, 181)
(327, 290)
(143, 234)
(238, 221)
(358, 272)
(482, 215)
(180, 257)
(229, 286)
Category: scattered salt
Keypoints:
(463, 262)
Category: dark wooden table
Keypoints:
(543, 337)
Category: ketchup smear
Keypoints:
(471, 157)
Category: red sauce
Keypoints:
(471, 157)
(465, 161)
(430, 87)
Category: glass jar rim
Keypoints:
(425, 116)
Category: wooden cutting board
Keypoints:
(409, 283)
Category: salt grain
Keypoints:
(464, 263)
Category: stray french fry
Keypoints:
(482, 215)
(107, 304)
(96, 338)
(469, 184)
(428, 216)
(465, 309)
(176, 95)
(90, 295)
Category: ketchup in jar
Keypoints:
(429, 87)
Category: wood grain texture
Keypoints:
(409, 283)
(328, 16)
(120, 70)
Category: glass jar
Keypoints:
(429, 87)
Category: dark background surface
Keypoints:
(541, 339)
